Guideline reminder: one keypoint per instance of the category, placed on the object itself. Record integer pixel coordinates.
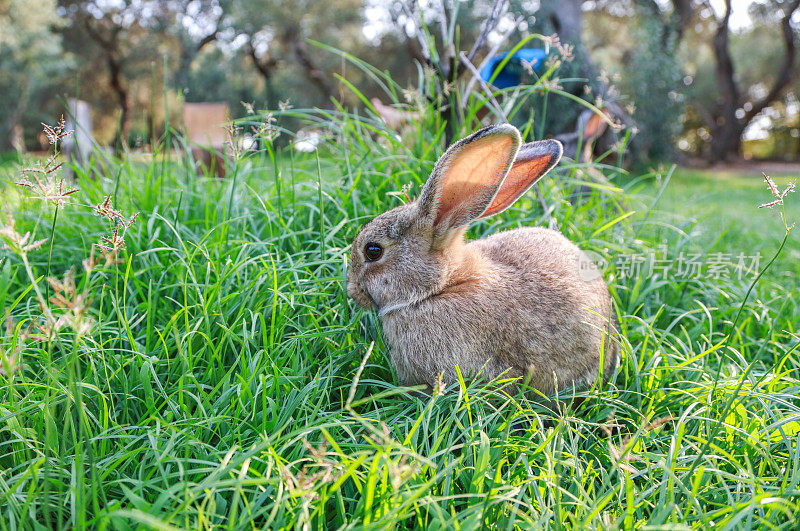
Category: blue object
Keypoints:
(511, 74)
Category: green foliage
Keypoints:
(756, 53)
(219, 383)
(651, 79)
(715, 203)
(30, 56)
(219, 78)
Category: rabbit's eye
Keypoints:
(373, 251)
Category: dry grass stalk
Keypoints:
(68, 306)
(773, 188)
(623, 453)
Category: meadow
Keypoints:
(209, 370)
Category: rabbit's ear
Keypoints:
(533, 161)
(466, 178)
(595, 125)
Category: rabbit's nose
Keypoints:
(355, 292)
(352, 288)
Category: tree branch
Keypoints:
(264, 67)
(682, 16)
(724, 71)
(489, 25)
(410, 44)
(205, 41)
(786, 72)
(298, 46)
(500, 42)
(417, 20)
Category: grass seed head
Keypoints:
(75, 304)
(9, 362)
(234, 147)
(266, 129)
(248, 107)
(16, 242)
(42, 180)
(773, 188)
(106, 210)
(110, 246)
(47, 188)
(56, 132)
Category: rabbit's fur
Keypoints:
(515, 303)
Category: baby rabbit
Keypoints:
(519, 303)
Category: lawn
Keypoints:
(211, 374)
(724, 206)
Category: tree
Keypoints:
(566, 19)
(30, 56)
(276, 33)
(735, 108)
(674, 17)
(449, 40)
(651, 77)
(196, 24)
(118, 45)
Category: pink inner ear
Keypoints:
(519, 179)
(473, 175)
(595, 127)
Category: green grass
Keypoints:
(213, 388)
(727, 220)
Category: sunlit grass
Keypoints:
(728, 220)
(213, 388)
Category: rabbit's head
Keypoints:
(408, 253)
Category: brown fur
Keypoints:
(512, 303)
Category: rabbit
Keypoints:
(517, 303)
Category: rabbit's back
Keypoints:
(527, 310)
(562, 299)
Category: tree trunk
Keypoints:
(115, 71)
(188, 53)
(673, 25)
(313, 73)
(111, 48)
(566, 18)
(727, 128)
(726, 143)
(265, 68)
